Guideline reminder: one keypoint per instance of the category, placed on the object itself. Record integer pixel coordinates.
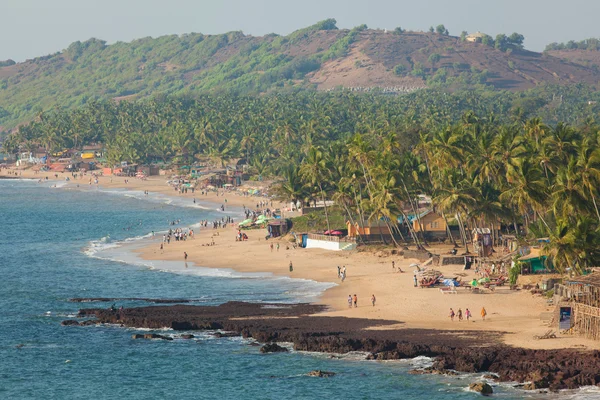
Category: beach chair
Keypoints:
(548, 335)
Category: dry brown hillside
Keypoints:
(587, 58)
(320, 56)
(373, 57)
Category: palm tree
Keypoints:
(588, 167)
(315, 170)
(526, 190)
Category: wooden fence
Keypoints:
(328, 238)
(587, 321)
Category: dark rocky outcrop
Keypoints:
(70, 322)
(463, 351)
(321, 374)
(225, 334)
(273, 348)
(481, 387)
(187, 336)
(150, 336)
(432, 371)
(115, 299)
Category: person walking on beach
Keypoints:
(394, 266)
(291, 267)
(161, 247)
(277, 247)
(349, 301)
(271, 247)
(459, 314)
(185, 255)
(483, 313)
(355, 300)
(467, 314)
(415, 280)
(373, 300)
(451, 315)
(339, 271)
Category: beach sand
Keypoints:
(515, 312)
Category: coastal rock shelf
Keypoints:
(113, 299)
(463, 351)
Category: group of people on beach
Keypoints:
(467, 314)
(267, 212)
(353, 301)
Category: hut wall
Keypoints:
(587, 321)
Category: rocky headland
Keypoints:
(300, 324)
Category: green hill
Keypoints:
(320, 57)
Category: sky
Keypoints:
(32, 28)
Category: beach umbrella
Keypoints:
(336, 233)
(245, 222)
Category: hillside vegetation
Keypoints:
(320, 57)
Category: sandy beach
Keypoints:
(516, 313)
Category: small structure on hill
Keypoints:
(476, 37)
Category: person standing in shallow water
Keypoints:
(185, 255)
(291, 267)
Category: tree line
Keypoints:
(485, 159)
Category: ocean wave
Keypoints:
(101, 244)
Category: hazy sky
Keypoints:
(31, 28)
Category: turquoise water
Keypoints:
(56, 244)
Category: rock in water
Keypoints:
(69, 322)
(187, 336)
(150, 336)
(321, 374)
(481, 387)
(272, 348)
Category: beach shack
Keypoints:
(355, 230)
(277, 227)
(433, 224)
(578, 305)
(534, 262)
(482, 241)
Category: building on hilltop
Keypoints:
(476, 37)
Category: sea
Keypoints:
(58, 242)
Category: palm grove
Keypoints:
(373, 155)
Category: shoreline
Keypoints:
(309, 330)
(515, 313)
